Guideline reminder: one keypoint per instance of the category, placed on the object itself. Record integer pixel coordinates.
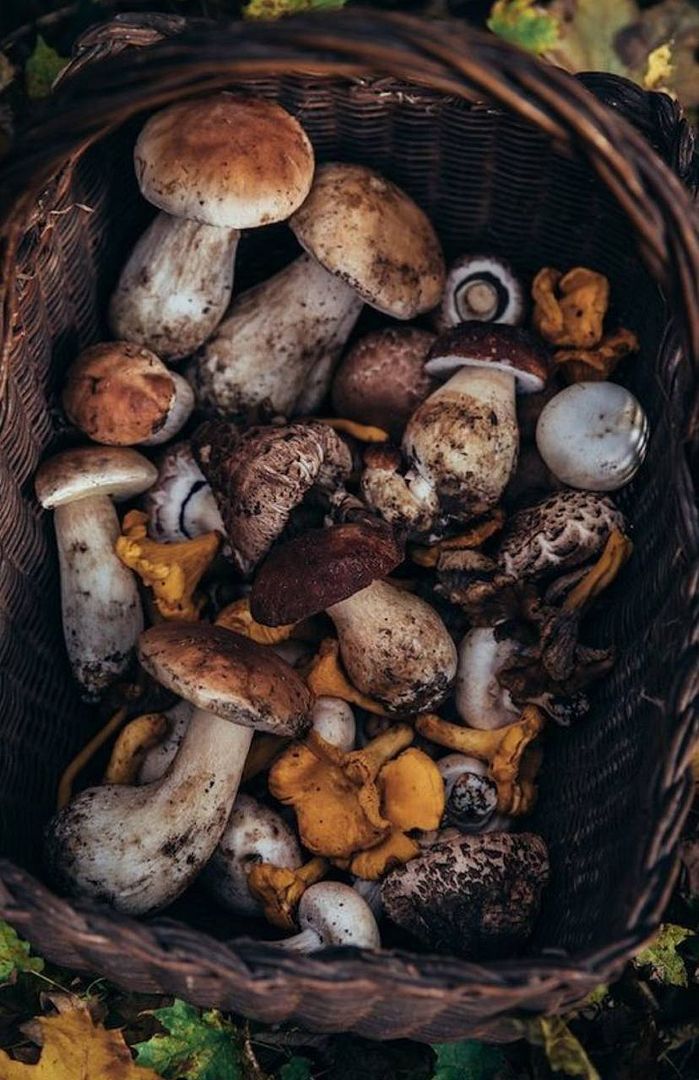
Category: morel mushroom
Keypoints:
(365, 241)
(394, 646)
(593, 435)
(214, 166)
(482, 288)
(476, 895)
(180, 504)
(102, 615)
(259, 477)
(138, 848)
(331, 913)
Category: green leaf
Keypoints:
(197, 1047)
(565, 1054)
(523, 23)
(469, 1060)
(275, 9)
(664, 963)
(296, 1068)
(14, 955)
(42, 68)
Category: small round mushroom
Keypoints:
(138, 848)
(394, 646)
(471, 794)
(121, 394)
(255, 833)
(333, 719)
(476, 895)
(101, 607)
(382, 379)
(331, 913)
(213, 165)
(365, 240)
(180, 504)
(481, 288)
(480, 700)
(593, 435)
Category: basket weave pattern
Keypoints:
(547, 173)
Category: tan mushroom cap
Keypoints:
(118, 472)
(227, 674)
(118, 393)
(365, 230)
(227, 160)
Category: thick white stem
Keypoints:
(307, 941)
(175, 287)
(138, 848)
(102, 615)
(280, 341)
(180, 411)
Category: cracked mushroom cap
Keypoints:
(320, 568)
(368, 232)
(475, 894)
(564, 530)
(494, 346)
(227, 160)
(228, 675)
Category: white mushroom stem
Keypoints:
(138, 848)
(333, 719)
(280, 340)
(102, 615)
(181, 409)
(175, 287)
(481, 701)
(331, 913)
(158, 759)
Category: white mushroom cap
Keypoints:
(228, 160)
(593, 435)
(331, 913)
(333, 719)
(480, 700)
(118, 472)
(481, 287)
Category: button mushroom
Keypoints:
(180, 504)
(471, 795)
(102, 614)
(593, 435)
(213, 165)
(476, 895)
(461, 443)
(138, 848)
(331, 913)
(365, 241)
(259, 477)
(394, 646)
(480, 700)
(482, 288)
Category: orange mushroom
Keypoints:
(569, 309)
(326, 678)
(280, 889)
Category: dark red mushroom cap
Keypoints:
(493, 345)
(320, 568)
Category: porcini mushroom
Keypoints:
(102, 615)
(331, 913)
(480, 700)
(593, 435)
(474, 894)
(394, 646)
(259, 477)
(365, 241)
(481, 288)
(214, 165)
(137, 848)
(382, 378)
(180, 504)
(158, 759)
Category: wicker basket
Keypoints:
(505, 154)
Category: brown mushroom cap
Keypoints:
(367, 231)
(228, 160)
(382, 379)
(227, 674)
(118, 393)
(493, 345)
(474, 894)
(320, 568)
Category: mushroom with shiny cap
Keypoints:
(366, 241)
(331, 913)
(593, 435)
(213, 166)
(102, 615)
(138, 848)
(482, 288)
(180, 504)
(474, 894)
(394, 646)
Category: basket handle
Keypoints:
(445, 56)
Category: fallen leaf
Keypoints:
(297, 1068)
(469, 1060)
(661, 959)
(524, 23)
(14, 955)
(41, 69)
(198, 1046)
(275, 9)
(75, 1048)
(564, 1052)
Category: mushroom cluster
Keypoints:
(341, 587)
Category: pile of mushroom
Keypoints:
(338, 592)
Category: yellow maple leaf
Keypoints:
(76, 1048)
